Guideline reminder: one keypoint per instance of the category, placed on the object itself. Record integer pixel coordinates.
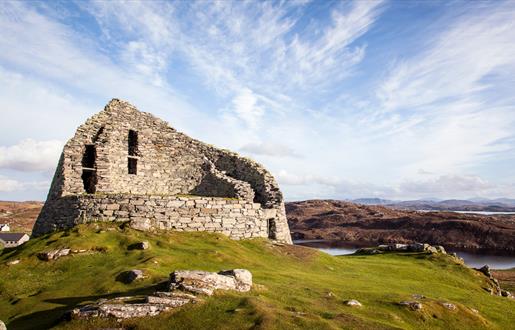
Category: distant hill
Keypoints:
(373, 201)
(475, 204)
(375, 224)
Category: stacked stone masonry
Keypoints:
(127, 165)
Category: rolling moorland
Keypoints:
(294, 286)
(373, 224)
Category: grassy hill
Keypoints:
(295, 287)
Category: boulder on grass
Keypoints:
(2, 326)
(197, 281)
(353, 303)
(54, 254)
(130, 276)
(139, 246)
(413, 305)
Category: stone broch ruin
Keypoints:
(129, 166)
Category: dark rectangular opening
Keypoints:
(89, 178)
(88, 158)
(133, 166)
(272, 230)
(133, 143)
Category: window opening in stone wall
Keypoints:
(272, 229)
(133, 143)
(132, 163)
(88, 159)
(133, 166)
(89, 174)
(89, 178)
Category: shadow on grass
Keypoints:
(52, 317)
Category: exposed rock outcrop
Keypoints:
(198, 282)
(396, 247)
(449, 306)
(207, 282)
(413, 305)
(54, 254)
(495, 288)
(130, 276)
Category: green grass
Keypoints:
(291, 285)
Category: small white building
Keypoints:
(13, 239)
(4, 227)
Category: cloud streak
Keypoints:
(30, 155)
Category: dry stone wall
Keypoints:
(134, 157)
(236, 218)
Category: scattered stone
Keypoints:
(193, 281)
(14, 262)
(175, 294)
(417, 247)
(440, 249)
(474, 310)
(203, 282)
(449, 306)
(353, 303)
(243, 278)
(169, 301)
(506, 293)
(396, 247)
(140, 246)
(130, 276)
(118, 311)
(485, 270)
(418, 296)
(489, 290)
(432, 249)
(54, 254)
(369, 251)
(329, 295)
(414, 305)
(495, 289)
(2, 326)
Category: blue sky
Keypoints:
(391, 99)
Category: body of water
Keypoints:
(470, 212)
(474, 260)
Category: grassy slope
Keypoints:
(291, 285)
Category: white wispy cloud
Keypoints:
(270, 149)
(29, 155)
(276, 81)
(452, 89)
(246, 51)
(8, 185)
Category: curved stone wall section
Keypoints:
(235, 218)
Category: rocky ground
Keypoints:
(370, 225)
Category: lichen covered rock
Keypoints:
(202, 282)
